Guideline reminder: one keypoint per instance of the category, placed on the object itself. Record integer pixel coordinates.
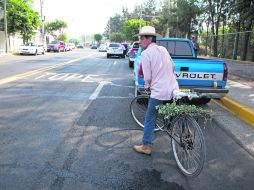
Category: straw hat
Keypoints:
(147, 31)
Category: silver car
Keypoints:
(115, 49)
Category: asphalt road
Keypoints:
(70, 128)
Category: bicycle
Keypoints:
(187, 139)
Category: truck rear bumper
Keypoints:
(210, 92)
(202, 92)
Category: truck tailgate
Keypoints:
(199, 73)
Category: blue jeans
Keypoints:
(150, 118)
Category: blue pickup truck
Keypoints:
(206, 77)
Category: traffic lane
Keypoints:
(37, 115)
(106, 158)
(100, 137)
(20, 64)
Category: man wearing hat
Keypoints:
(158, 70)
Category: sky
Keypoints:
(84, 17)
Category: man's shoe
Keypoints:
(143, 149)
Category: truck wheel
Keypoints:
(200, 101)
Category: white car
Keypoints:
(70, 46)
(115, 49)
(103, 48)
(31, 48)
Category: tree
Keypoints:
(55, 27)
(149, 10)
(116, 37)
(245, 11)
(97, 38)
(62, 37)
(114, 24)
(22, 19)
(75, 41)
(131, 28)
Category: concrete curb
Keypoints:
(243, 112)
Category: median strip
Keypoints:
(242, 111)
(34, 72)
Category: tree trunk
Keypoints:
(236, 40)
(223, 37)
(246, 42)
(206, 41)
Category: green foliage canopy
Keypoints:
(62, 37)
(55, 27)
(116, 37)
(98, 37)
(22, 19)
(131, 28)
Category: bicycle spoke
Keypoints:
(190, 152)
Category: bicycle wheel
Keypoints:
(138, 109)
(188, 145)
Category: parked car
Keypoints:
(207, 77)
(71, 45)
(132, 53)
(115, 49)
(56, 46)
(93, 46)
(31, 48)
(80, 46)
(67, 47)
(103, 48)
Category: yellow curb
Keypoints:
(30, 73)
(242, 111)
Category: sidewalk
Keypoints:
(240, 102)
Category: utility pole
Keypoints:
(42, 23)
(5, 27)
(140, 18)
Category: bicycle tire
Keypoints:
(190, 150)
(138, 109)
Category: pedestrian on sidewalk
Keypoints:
(195, 44)
(159, 78)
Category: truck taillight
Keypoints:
(225, 73)
(140, 71)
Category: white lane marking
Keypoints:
(97, 90)
(119, 85)
(115, 62)
(45, 75)
(74, 76)
(59, 76)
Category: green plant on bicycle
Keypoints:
(177, 119)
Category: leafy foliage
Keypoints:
(172, 109)
(22, 19)
(116, 37)
(62, 37)
(131, 28)
(55, 27)
(75, 41)
(98, 37)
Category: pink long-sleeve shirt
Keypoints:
(158, 72)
